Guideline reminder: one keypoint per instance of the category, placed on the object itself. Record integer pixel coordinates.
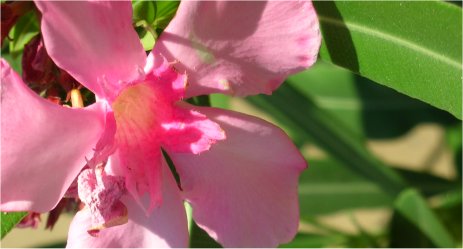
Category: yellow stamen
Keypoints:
(76, 99)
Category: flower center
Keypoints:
(139, 111)
(134, 106)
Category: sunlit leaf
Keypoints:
(367, 108)
(412, 47)
(9, 221)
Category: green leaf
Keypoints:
(14, 61)
(144, 10)
(302, 115)
(314, 241)
(147, 40)
(450, 212)
(9, 221)
(336, 188)
(412, 47)
(60, 244)
(200, 239)
(220, 100)
(367, 108)
(413, 208)
(24, 30)
(151, 18)
(165, 12)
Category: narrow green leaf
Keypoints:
(300, 113)
(413, 207)
(412, 47)
(165, 12)
(144, 10)
(202, 100)
(60, 244)
(14, 61)
(200, 239)
(220, 100)
(26, 28)
(450, 212)
(151, 18)
(148, 41)
(9, 221)
(336, 188)
(315, 241)
(367, 108)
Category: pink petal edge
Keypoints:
(240, 48)
(166, 226)
(95, 42)
(243, 191)
(44, 145)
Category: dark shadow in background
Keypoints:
(388, 113)
(404, 234)
(336, 37)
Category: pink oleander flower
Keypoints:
(239, 173)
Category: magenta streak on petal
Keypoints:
(149, 115)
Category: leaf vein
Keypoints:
(391, 38)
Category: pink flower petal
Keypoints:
(190, 131)
(94, 41)
(244, 189)
(163, 76)
(240, 48)
(136, 114)
(165, 227)
(44, 145)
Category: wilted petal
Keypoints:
(94, 41)
(101, 193)
(240, 48)
(43, 145)
(165, 227)
(244, 189)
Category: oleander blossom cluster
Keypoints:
(239, 173)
